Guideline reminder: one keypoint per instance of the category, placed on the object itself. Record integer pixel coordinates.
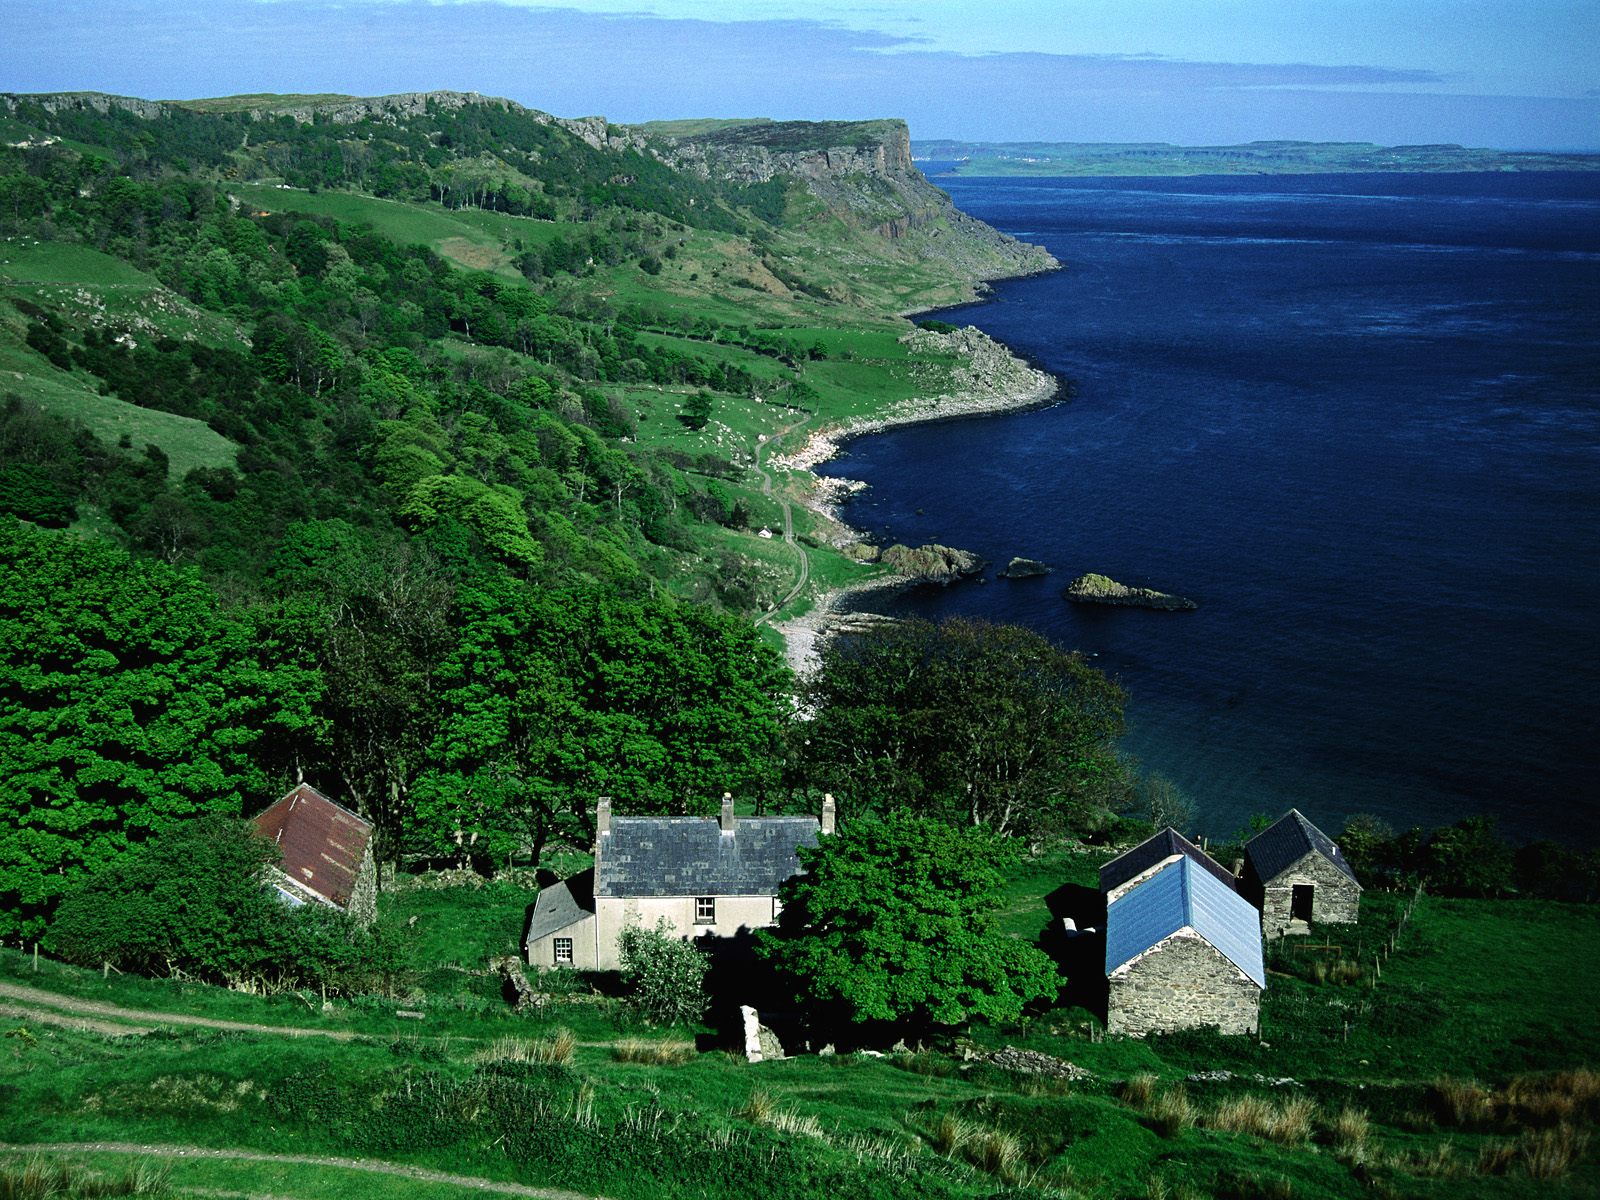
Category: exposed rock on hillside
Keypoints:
(861, 171)
(933, 563)
(1098, 589)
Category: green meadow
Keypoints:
(1451, 1066)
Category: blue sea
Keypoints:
(1355, 417)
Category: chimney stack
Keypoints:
(602, 817)
(829, 813)
(727, 812)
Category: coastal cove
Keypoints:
(1355, 418)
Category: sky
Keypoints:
(1511, 74)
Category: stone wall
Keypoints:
(1335, 900)
(363, 906)
(1182, 983)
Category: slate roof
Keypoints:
(691, 856)
(1285, 842)
(562, 904)
(322, 843)
(1185, 894)
(1153, 850)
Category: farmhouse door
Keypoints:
(1300, 902)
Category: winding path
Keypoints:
(788, 523)
(371, 1166)
(52, 1008)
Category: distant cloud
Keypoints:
(634, 68)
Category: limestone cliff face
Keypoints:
(861, 171)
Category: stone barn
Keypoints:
(1296, 875)
(1128, 870)
(705, 875)
(1183, 951)
(327, 853)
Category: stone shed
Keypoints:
(1129, 869)
(1183, 951)
(1297, 875)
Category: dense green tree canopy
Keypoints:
(552, 699)
(129, 703)
(195, 899)
(985, 724)
(893, 920)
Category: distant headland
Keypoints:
(1253, 158)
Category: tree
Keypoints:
(984, 724)
(194, 900)
(549, 699)
(696, 410)
(893, 920)
(665, 975)
(131, 702)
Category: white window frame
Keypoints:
(562, 950)
(705, 910)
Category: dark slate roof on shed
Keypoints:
(1153, 850)
(322, 843)
(1185, 895)
(691, 856)
(1285, 842)
(562, 904)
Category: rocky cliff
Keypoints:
(863, 172)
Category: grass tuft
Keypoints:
(1138, 1091)
(654, 1052)
(1463, 1103)
(1549, 1153)
(1171, 1112)
(1287, 1122)
(1348, 1131)
(38, 1179)
(763, 1109)
(555, 1050)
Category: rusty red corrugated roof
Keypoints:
(322, 843)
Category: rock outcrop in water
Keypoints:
(1024, 568)
(1098, 589)
(933, 563)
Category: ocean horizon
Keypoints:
(1355, 417)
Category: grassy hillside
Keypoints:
(1442, 1084)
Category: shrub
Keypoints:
(664, 975)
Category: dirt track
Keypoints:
(52, 1008)
(399, 1170)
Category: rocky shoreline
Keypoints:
(993, 380)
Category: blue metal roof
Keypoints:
(1185, 894)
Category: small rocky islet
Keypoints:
(1101, 589)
